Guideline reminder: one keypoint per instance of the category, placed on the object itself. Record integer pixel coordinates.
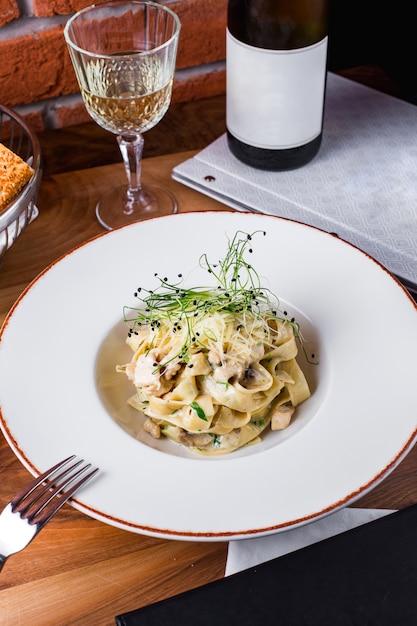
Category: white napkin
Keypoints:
(246, 553)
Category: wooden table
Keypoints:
(79, 571)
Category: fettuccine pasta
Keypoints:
(214, 377)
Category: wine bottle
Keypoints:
(276, 60)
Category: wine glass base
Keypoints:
(116, 208)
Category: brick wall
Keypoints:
(37, 78)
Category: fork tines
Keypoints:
(38, 501)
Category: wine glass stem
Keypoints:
(131, 147)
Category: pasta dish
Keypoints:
(214, 367)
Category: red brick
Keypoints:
(203, 26)
(203, 31)
(202, 85)
(33, 119)
(47, 8)
(9, 11)
(30, 71)
(69, 115)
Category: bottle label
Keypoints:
(275, 97)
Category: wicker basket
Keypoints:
(16, 135)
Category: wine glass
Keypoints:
(124, 53)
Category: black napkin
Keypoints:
(363, 577)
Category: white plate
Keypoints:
(59, 393)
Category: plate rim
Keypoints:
(170, 533)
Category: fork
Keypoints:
(35, 504)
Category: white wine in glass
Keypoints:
(124, 55)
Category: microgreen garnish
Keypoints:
(238, 291)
